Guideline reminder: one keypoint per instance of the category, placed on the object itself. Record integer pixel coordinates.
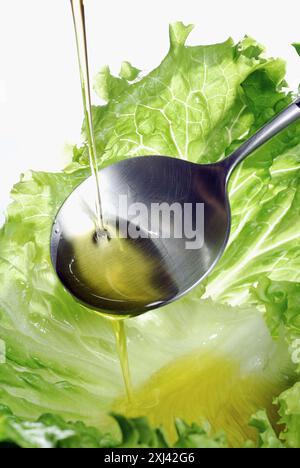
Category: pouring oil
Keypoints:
(81, 42)
(121, 343)
(100, 234)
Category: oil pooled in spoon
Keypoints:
(101, 233)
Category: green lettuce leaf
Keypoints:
(267, 436)
(191, 436)
(281, 302)
(51, 431)
(289, 402)
(296, 45)
(199, 104)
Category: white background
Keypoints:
(40, 101)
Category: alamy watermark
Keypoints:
(160, 220)
(296, 351)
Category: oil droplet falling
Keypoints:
(118, 326)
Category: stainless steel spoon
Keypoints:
(129, 276)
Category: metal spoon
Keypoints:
(129, 276)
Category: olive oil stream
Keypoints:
(118, 324)
(121, 343)
(81, 43)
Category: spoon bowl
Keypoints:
(130, 274)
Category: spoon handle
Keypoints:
(280, 122)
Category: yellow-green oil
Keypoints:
(114, 274)
(205, 388)
(121, 343)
